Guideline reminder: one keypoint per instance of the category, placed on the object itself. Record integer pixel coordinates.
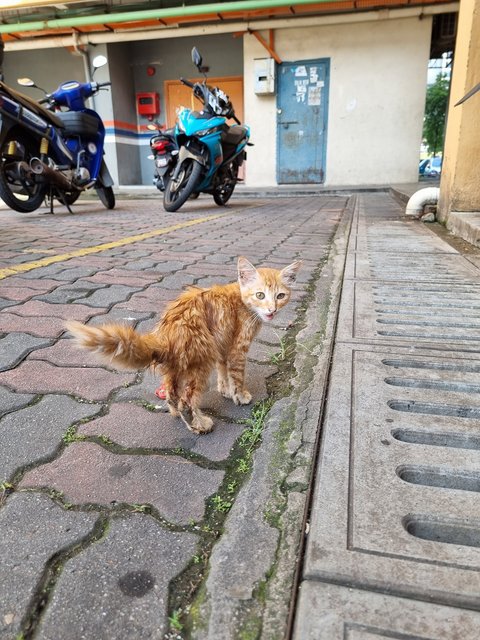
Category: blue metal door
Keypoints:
(302, 111)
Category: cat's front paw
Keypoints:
(242, 397)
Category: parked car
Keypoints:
(430, 167)
(422, 165)
(435, 167)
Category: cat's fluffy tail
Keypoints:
(118, 345)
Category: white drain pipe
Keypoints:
(420, 198)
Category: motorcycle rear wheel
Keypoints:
(106, 196)
(223, 192)
(21, 194)
(177, 192)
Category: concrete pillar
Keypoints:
(103, 104)
(117, 109)
(460, 182)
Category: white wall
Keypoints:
(377, 96)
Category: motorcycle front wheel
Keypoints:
(18, 188)
(223, 191)
(178, 191)
(106, 196)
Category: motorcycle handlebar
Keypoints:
(187, 82)
(104, 84)
(234, 117)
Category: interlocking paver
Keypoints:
(86, 473)
(74, 273)
(33, 529)
(132, 426)
(38, 308)
(34, 433)
(121, 581)
(10, 401)
(43, 326)
(120, 315)
(15, 346)
(140, 265)
(19, 284)
(18, 294)
(178, 280)
(65, 294)
(42, 377)
(64, 353)
(106, 296)
(118, 276)
(4, 303)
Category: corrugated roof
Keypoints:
(46, 14)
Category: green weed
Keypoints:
(220, 504)
(174, 620)
(71, 435)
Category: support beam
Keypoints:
(265, 44)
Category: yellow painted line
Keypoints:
(45, 262)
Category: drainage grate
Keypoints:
(397, 499)
(389, 313)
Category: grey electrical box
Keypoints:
(264, 69)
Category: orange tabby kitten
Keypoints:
(201, 330)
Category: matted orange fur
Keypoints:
(202, 329)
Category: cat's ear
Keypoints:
(289, 274)
(246, 271)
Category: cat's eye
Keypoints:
(280, 296)
(260, 295)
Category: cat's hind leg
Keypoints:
(171, 393)
(189, 407)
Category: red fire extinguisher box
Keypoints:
(148, 103)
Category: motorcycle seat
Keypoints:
(29, 103)
(235, 134)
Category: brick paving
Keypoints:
(106, 496)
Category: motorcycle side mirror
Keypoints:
(196, 57)
(99, 61)
(26, 82)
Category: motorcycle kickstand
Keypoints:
(64, 202)
(47, 198)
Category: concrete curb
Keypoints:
(252, 575)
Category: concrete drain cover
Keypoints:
(397, 503)
(395, 523)
(425, 313)
(328, 612)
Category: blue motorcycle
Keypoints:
(210, 152)
(55, 152)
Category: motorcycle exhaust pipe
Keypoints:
(39, 168)
(19, 170)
